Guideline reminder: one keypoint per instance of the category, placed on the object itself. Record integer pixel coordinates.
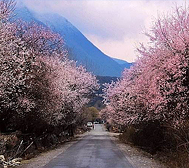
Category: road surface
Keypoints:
(95, 150)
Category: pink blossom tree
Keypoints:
(156, 87)
(72, 87)
(38, 83)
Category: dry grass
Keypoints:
(169, 145)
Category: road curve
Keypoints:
(95, 150)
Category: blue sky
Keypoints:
(114, 26)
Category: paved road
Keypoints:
(95, 150)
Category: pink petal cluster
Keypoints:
(37, 81)
(157, 86)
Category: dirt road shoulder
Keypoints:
(136, 157)
(44, 158)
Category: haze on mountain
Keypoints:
(78, 46)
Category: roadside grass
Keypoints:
(168, 145)
(28, 146)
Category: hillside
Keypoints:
(122, 63)
(78, 46)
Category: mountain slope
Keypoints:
(122, 63)
(78, 46)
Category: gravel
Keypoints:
(44, 158)
(136, 157)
